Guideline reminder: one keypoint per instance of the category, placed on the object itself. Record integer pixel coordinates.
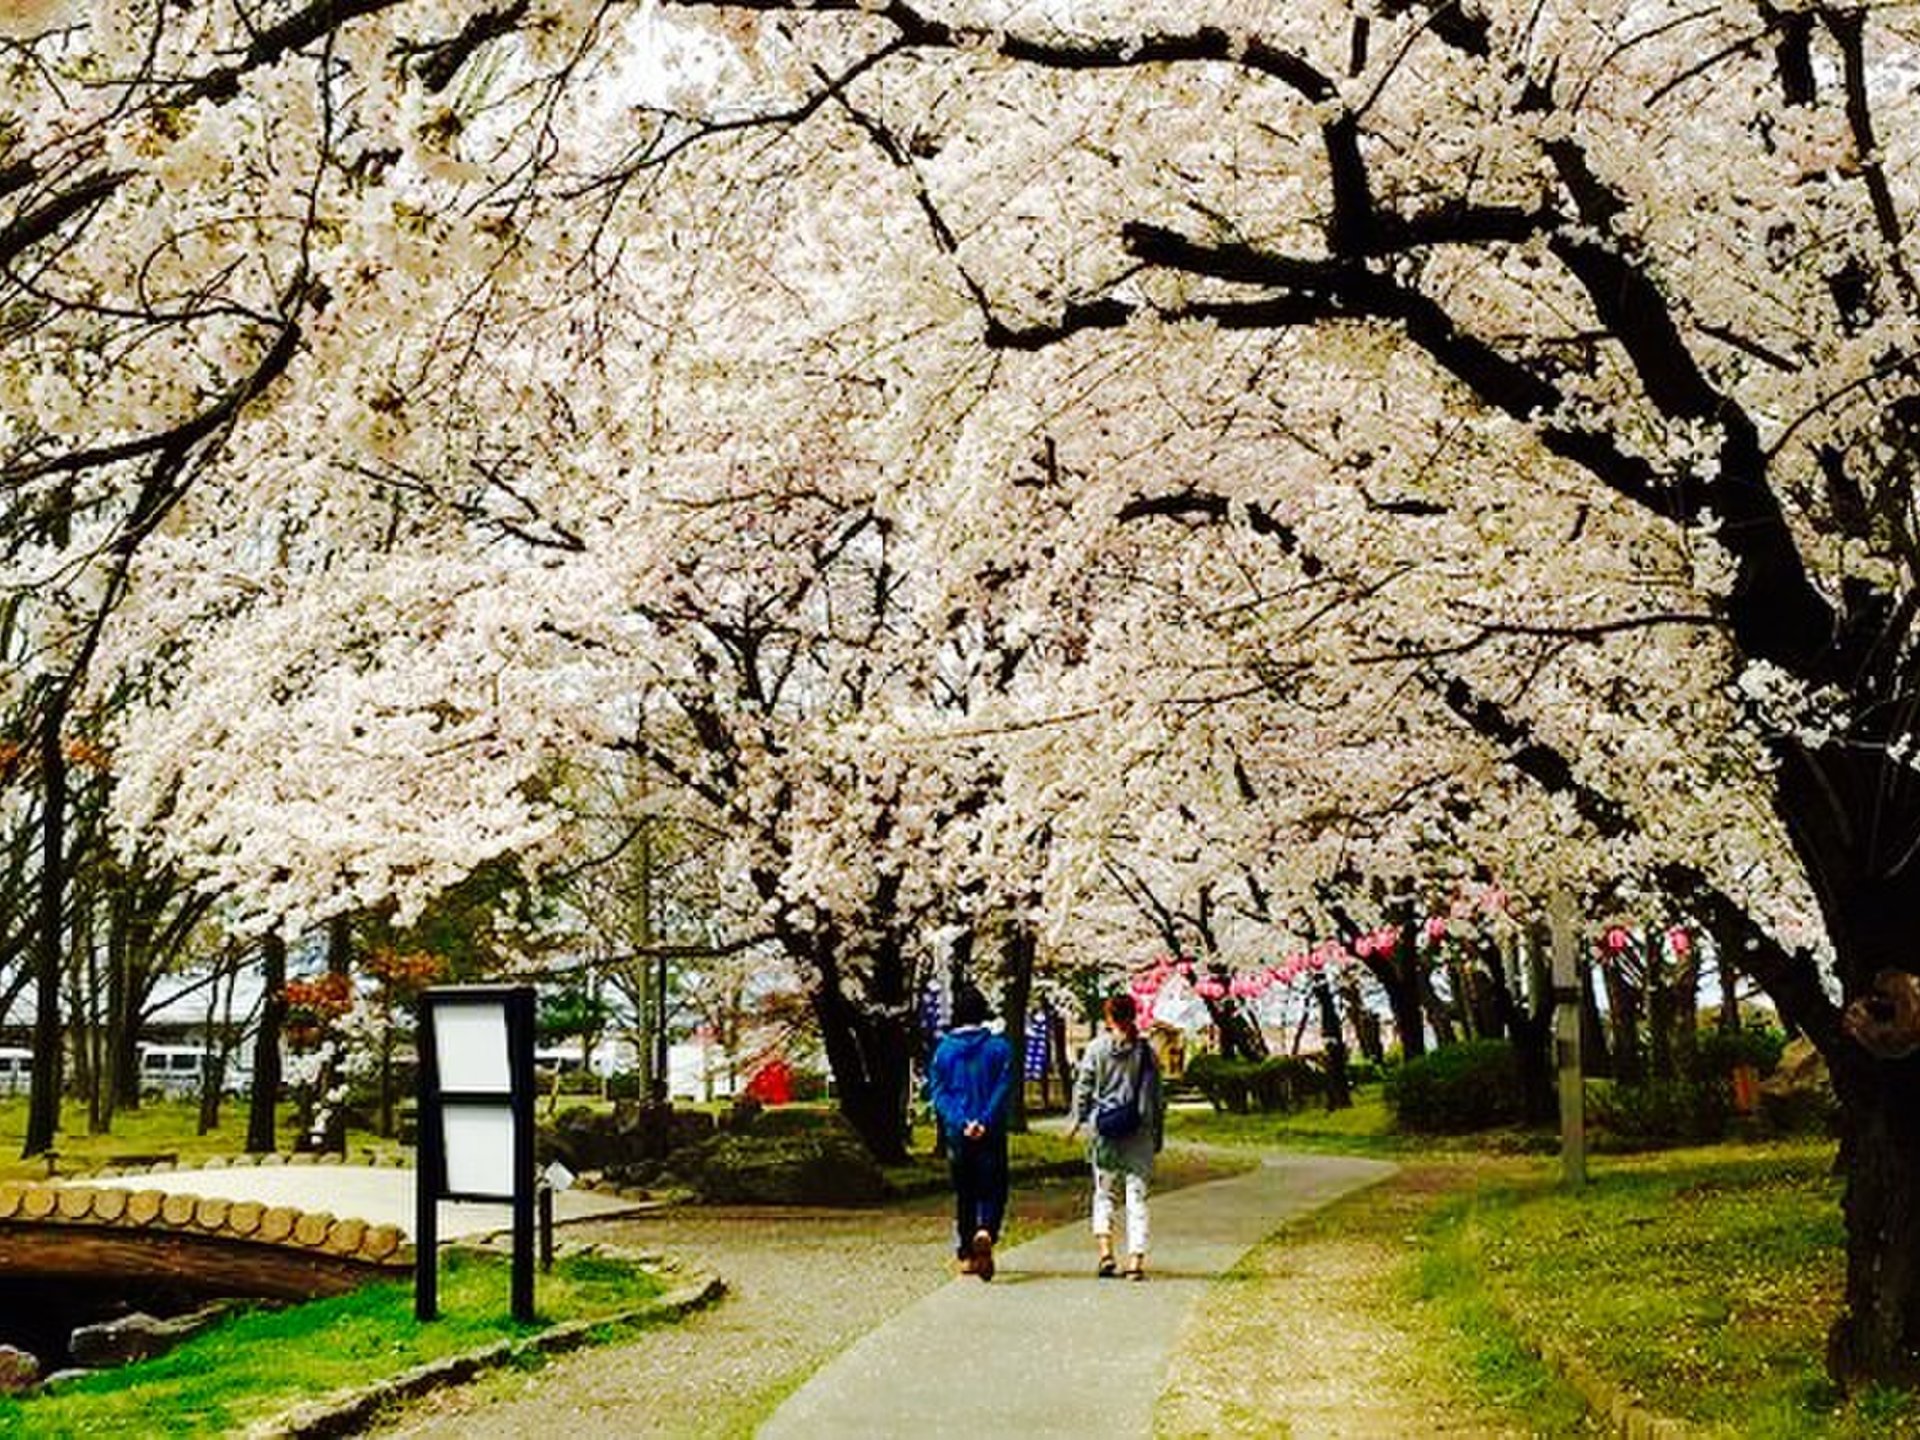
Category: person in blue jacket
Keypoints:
(971, 1079)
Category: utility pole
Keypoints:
(1566, 1040)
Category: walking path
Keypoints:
(1033, 1351)
(1044, 1349)
(856, 1298)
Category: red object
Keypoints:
(1746, 1090)
(772, 1083)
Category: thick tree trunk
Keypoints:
(1395, 977)
(1623, 1023)
(1530, 1028)
(868, 1036)
(1854, 819)
(1365, 1024)
(1877, 1337)
(869, 1053)
(1596, 1052)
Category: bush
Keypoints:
(1227, 1084)
(1757, 1044)
(1362, 1071)
(1471, 1086)
(1286, 1082)
(1278, 1083)
(821, 1167)
(1662, 1112)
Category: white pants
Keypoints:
(1136, 1207)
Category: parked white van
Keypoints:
(176, 1070)
(16, 1071)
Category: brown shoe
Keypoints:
(983, 1254)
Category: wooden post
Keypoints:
(429, 1174)
(1566, 1040)
(520, 1026)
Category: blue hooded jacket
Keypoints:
(971, 1078)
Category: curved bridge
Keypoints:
(194, 1241)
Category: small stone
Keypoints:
(19, 1370)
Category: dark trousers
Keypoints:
(979, 1171)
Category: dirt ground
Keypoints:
(1315, 1325)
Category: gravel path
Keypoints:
(802, 1285)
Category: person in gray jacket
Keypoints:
(1117, 1096)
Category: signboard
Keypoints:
(475, 1128)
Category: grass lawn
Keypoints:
(1331, 1326)
(1702, 1280)
(261, 1362)
(157, 1127)
(1699, 1281)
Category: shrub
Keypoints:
(823, 1167)
(1662, 1112)
(1278, 1083)
(1757, 1044)
(1471, 1086)
(1285, 1082)
(1362, 1071)
(1227, 1084)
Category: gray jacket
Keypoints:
(1109, 1070)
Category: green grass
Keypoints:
(1700, 1280)
(1473, 1338)
(1363, 1128)
(157, 1127)
(260, 1362)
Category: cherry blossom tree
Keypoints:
(1524, 397)
(1655, 263)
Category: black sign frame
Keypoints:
(515, 1006)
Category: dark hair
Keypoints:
(969, 1006)
(1122, 1011)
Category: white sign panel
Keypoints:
(479, 1141)
(470, 1043)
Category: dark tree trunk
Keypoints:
(1596, 1053)
(1530, 1028)
(121, 1075)
(1395, 975)
(1339, 1088)
(1870, 900)
(1729, 989)
(1623, 1020)
(262, 1103)
(1240, 1034)
(49, 951)
(1431, 1005)
(1877, 1336)
(1365, 1024)
(869, 1053)
(869, 1038)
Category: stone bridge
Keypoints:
(197, 1242)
